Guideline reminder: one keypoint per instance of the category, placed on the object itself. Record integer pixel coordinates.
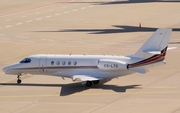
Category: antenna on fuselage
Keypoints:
(70, 53)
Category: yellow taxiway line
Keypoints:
(90, 94)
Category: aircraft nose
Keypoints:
(5, 69)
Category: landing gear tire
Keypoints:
(88, 83)
(19, 81)
(96, 82)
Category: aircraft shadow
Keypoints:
(68, 89)
(117, 29)
(126, 2)
(137, 1)
(174, 42)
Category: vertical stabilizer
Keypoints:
(153, 51)
(155, 44)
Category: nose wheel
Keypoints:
(19, 79)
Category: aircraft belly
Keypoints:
(91, 72)
(19, 71)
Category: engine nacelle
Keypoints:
(108, 64)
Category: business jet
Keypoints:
(91, 69)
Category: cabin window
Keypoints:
(69, 63)
(57, 62)
(75, 63)
(63, 63)
(26, 60)
(52, 62)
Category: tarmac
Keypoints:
(92, 27)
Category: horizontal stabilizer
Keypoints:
(84, 78)
(153, 52)
(139, 70)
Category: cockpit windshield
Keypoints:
(26, 60)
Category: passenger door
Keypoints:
(43, 65)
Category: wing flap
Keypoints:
(139, 70)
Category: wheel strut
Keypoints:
(19, 79)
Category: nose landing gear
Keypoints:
(19, 79)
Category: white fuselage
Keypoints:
(68, 65)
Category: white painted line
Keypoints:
(48, 16)
(64, 7)
(51, 10)
(74, 10)
(2, 35)
(91, 5)
(18, 23)
(47, 39)
(37, 13)
(74, 41)
(57, 14)
(8, 20)
(83, 7)
(22, 37)
(23, 16)
(8, 26)
(66, 12)
(109, 43)
(80, 42)
(107, 1)
(38, 18)
(27, 41)
(5, 38)
(29, 21)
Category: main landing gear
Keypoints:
(19, 79)
(89, 83)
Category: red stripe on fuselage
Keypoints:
(60, 67)
(153, 59)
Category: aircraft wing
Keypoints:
(169, 48)
(139, 70)
(84, 78)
